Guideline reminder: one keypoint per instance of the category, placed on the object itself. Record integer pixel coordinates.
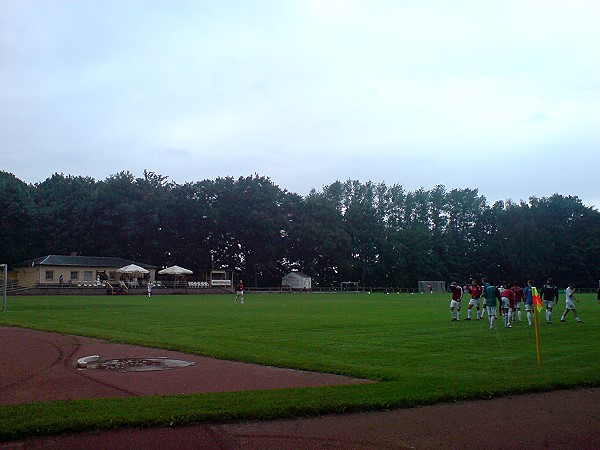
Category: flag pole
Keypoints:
(537, 336)
(537, 306)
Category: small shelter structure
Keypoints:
(296, 280)
(220, 278)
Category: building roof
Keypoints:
(81, 261)
(298, 274)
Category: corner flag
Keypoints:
(537, 300)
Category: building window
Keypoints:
(74, 275)
(49, 275)
(112, 275)
(88, 275)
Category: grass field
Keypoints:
(406, 342)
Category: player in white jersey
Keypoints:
(570, 303)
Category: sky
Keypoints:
(501, 96)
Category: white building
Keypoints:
(296, 280)
(76, 270)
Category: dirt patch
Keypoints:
(44, 367)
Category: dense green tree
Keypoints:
(322, 245)
(116, 225)
(565, 228)
(18, 222)
(392, 250)
(464, 209)
(184, 227)
(263, 228)
(249, 229)
(541, 238)
(379, 235)
(415, 232)
(365, 227)
(65, 209)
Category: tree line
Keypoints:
(378, 235)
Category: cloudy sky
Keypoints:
(498, 95)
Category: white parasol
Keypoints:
(175, 270)
(132, 269)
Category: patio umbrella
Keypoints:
(132, 269)
(175, 271)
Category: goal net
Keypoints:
(349, 286)
(425, 287)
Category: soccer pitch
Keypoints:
(405, 342)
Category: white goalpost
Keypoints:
(349, 286)
(426, 287)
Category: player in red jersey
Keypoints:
(475, 291)
(239, 292)
(457, 293)
(508, 305)
(518, 290)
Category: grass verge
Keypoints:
(406, 342)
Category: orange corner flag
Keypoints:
(537, 300)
